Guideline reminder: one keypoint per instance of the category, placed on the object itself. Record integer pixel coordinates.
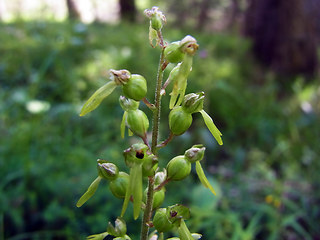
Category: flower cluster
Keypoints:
(142, 158)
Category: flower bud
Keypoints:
(138, 122)
(136, 154)
(158, 197)
(150, 163)
(119, 186)
(179, 121)
(161, 222)
(107, 170)
(120, 228)
(135, 88)
(193, 102)
(173, 53)
(160, 177)
(178, 168)
(189, 45)
(195, 153)
(120, 77)
(156, 17)
(128, 104)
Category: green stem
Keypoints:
(155, 132)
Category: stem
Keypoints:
(165, 142)
(155, 131)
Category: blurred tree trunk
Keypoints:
(128, 10)
(73, 12)
(203, 16)
(284, 34)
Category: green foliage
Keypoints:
(268, 173)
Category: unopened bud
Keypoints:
(128, 104)
(195, 153)
(173, 53)
(135, 88)
(120, 228)
(189, 45)
(193, 102)
(119, 186)
(179, 121)
(160, 177)
(161, 222)
(120, 77)
(138, 122)
(178, 168)
(156, 17)
(107, 170)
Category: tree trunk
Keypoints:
(73, 12)
(128, 10)
(284, 35)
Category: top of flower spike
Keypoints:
(154, 11)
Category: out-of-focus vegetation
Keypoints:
(266, 173)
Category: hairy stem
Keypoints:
(155, 131)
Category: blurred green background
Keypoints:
(258, 66)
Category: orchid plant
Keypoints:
(142, 157)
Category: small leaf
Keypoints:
(203, 178)
(212, 127)
(95, 100)
(123, 124)
(100, 236)
(89, 193)
(130, 133)
(184, 233)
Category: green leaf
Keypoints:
(95, 100)
(123, 124)
(203, 178)
(212, 127)
(100, 236)
(89, 193)
(184, 233)
(137, 190)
